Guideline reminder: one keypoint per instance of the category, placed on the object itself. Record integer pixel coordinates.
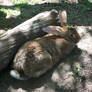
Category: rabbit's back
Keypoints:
(36, 57)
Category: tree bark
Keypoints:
(30, 29)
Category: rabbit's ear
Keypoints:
(63, 19)
(51, 30)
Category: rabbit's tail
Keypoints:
(15, 74)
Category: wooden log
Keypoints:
(30, 29)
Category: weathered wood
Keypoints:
(30, 29)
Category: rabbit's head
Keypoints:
(70, 33)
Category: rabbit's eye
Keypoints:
(72, 35)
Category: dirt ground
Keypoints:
(72, 74)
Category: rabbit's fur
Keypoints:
(36, 57)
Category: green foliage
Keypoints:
(76, 71)
(34, 2)
(8, 12)
(1, 0)
(35, 12)
(17, 8)
(17, 2)
(78, 67)
(86, 3)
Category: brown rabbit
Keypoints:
(36, 57)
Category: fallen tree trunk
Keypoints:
(13, 39)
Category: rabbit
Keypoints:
(37, 56)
